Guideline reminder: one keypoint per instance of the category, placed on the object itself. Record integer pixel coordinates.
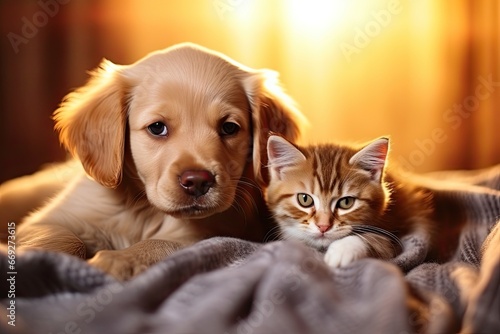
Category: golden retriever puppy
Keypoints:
(172, 149)
(21, 195)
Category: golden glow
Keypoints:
(316, 16)
(358, 69)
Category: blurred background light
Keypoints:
(357, 69)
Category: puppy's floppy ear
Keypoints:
(272, 111)
(91, 123)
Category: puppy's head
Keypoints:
(194, 119)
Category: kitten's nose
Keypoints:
(324, 227)
(196, 182)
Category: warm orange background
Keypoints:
(425, 72)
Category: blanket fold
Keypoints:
(225, 285)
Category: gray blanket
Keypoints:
(225, 285)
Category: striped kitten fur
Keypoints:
(342, 200)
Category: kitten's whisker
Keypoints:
(370, 242)
(377, 230)
(250, 183)
(246, 195)
(138, 197)
(275, 233)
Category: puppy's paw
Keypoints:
(126, 263)
(342, 252)
(118, 263)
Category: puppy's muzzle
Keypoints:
(196, 182)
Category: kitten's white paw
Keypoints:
(346, 250)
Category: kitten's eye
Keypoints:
(305, 200)
(229, 128)
(346, 202)
(158, 129)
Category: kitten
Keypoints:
(341, 200)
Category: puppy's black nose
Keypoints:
(196, 182)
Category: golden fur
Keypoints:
(132, 211)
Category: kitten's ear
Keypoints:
(372, 157)
(282, 154)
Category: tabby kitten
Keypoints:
(341, 200)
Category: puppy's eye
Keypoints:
(229, 128)
(158, 129)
